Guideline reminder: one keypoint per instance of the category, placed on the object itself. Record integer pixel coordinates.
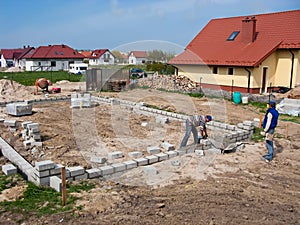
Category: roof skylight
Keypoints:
(233, 35)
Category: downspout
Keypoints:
(292, 69)
(249, 75)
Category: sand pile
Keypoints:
(11, 91)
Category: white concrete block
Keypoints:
(56, 170)
(142, 161)
(76, 170)
(153, 150)
(10, 123)
(199, 152)
(162, 156)
(118, 167)
(44, 173)
(167, 146)
(93, 173)
(106, 170)
(171, 154)
(9, 169)
(19, 109)
(81, 177)
(130, 164)
(135, 154)
(44, 165)
(115, 155)
(56, 183)
(99, 160)
(152, 159)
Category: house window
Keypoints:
(233, 35)
(39, 63)
(215, 70)
(53, 63)
(230, 71)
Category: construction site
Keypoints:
(126, 140)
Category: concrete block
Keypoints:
(171, 154)
(115, 155)
(32, 125)
(93, 173)
(150, 170)
(56, 183)
(248, 123)
(130, 164)
(44, 173)
(118, 167)
(44, 165)
(37, 143)
(162, 156)
(43, 180)
(135, 154)
(162, 119)
(167, 146)
(106, 170)
(19, 109)
(99, 160)
(9, 169)
(152, 159)
(56, 170)
(230, 127)
(10, 123)
(81, 177)
(199, 152)
(142, 161)
(76, 170)
(180, 152)
(34, 130)
(153, 150)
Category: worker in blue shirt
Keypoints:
(269, 124)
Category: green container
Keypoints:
(237, 97)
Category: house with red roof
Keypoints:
(101, 57)
(52, 58)
(250, 53)
(13, 57)
(137, 57)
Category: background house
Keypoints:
(13, 57)
(101, 57)
(251, 53)
(52, 58)
(137, 57)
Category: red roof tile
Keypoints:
(97, 53)
(54, 52)
(139, 54)
(14, 53)
(272, 31)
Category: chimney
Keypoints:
(248, 29)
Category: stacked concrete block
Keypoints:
(42, 172)
(142, 161)
(100, 160)
(119, 167)
(162, 119)
(56, 183)
(171, 154)
(77, 173)
(11, 124)
(19, 109)
(93, 173)
(9, 169)
(106, 170)
(152, 159)
(31, 134)
(130, 164)
(162, 156)
(80, 100)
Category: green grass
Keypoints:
(44, 200)
(28, 78)
(257, 137)
(8, 181)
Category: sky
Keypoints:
(122, 25)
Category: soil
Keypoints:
(232, 188)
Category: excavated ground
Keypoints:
(234, 188)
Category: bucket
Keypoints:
(245, 100)
(237, 97)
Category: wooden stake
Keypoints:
(286, 130)
(64, 186)
(260, 120)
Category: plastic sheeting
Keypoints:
(289, 106)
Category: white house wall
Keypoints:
(35, 65)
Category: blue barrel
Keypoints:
(237, 97)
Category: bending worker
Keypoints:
(191, 123)
(42, 83)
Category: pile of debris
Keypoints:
(11, 90)
(170, 82)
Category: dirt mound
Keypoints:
(11, 90)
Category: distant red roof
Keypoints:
(86, 54)
(139, 54)
(271, 32)
(15, 53)
(54, 52)
(97, 53)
